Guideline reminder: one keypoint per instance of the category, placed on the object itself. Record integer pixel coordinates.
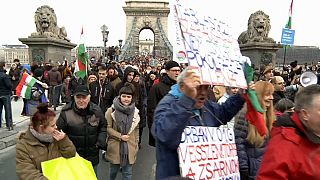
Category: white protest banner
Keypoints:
(208, 153)
(208, 46)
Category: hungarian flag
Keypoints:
(289, 23)
(82, 59)
(254, 110)
(24, 87)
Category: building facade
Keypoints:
(10, 52)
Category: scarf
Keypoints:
(124, 117)
(47, 138)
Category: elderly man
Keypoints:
(293, 151)
(186, 105)
(85, 125)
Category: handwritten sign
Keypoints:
(208, 153)
(207, 45)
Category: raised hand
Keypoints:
(190, 84)
(58, 135)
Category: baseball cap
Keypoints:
(81, 90)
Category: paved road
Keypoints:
(142, 170)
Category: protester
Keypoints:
(267, 73)
(159, 90)
(55, 80)
(85, 125)
(102, 92)
(14, 74)
(38, 94)
(42, 141)
(230, 91)
(5, 96)
(293, 151)
(283, 106)
(279, 88)
(250, 144)
(123, 130)
(65, 92)
(218, 92)
(186, 105)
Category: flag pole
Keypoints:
(284, 56)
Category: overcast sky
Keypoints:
(17, 18)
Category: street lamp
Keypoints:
(105, 33)
(120, 43)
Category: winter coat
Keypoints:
(290, 153)
(54, 77)
(102, 95)
(115, 80)
(277, 96)
(157, 92)
(85, 128)
(114, 138)
(16, 74)
(30, 152)
(5, 84)
(65, 93)
(173, 113)
(249, 156)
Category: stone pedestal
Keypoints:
(48, 49)
(260, 53)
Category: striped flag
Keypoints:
(82, 59)
(24, 87)
(289, 23)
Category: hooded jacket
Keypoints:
(293, 151)
(176, 111)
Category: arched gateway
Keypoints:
(144, 14)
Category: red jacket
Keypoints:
(290, 154)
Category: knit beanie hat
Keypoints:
(171, 64)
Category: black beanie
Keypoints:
(171, 64)
(38, 72)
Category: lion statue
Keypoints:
(258, 29)
(46, 24)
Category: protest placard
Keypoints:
(207, 44)
(208, 153)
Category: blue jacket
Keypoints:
(176, 111)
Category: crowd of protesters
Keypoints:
(109, 109)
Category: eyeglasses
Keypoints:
(281, 83)
(175, 70)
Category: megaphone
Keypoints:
(308, 78)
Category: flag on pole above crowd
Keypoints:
(289, 23)
(81, 67)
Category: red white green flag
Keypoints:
(289, 23)
(82, 59)
(24, 87)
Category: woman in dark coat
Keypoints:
(250, 145)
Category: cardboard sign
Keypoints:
(207, 45)
(208, 153)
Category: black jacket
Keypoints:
(157, 92)
(5, 84)
(85, 128)
(102, 95)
